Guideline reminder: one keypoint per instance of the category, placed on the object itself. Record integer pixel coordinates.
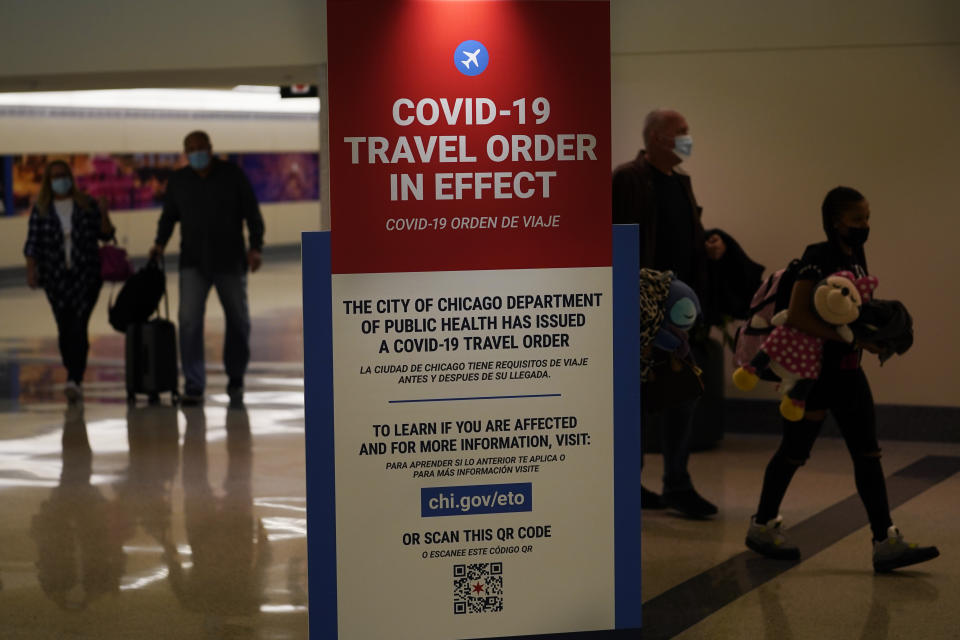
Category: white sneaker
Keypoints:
(767, 539)
(73, 391)
(895, 552)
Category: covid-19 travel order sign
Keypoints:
(467, 474)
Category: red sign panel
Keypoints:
(469, 135)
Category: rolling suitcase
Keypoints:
(151, 357)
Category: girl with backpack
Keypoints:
(63, 257)
(842, 389)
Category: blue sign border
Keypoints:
(320, 457)
(626, 426)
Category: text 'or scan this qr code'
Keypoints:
(478, 588)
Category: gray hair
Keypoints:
(653, 121)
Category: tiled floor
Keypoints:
(830, 594)
(154, 522)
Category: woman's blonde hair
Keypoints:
(45, 196)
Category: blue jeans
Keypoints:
(232, 291)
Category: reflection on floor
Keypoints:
(125, 526)
(152, 521)
(163, 522)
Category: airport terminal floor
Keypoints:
(159, 522)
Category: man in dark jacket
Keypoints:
(651, 192)
(211, 199)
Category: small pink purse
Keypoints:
(114, 264)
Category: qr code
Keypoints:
(478, 588)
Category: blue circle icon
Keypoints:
(471, 58)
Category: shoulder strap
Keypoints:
(765, 297)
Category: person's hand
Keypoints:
(33, 280)
(715, 247)
(872, 347)
(254, 259)
(156, 251)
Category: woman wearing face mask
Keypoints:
(842, 389)
(63, 257)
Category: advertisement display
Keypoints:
(472, 447)
(135, 181)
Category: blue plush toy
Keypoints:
(680, 311)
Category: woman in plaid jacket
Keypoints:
(63, 257)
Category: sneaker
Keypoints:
(768, 540)
(689, 503)
(650, 500)
(73, 391)
(895, 552)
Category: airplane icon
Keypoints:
(471, 57)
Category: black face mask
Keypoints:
(855, 236)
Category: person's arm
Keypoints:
(625, 197)
(30, 250)
(801, 315)
(107, 230)
(629, 204)
(250, 211)
(168, 219)
(33, 279)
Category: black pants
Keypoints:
(72, 322)
(846, 394)
(675, 426)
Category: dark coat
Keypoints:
(73, 287)
(725, 286)
(634, 202)
(211, 211)
(732, 280)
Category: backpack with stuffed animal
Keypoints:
(772, 297)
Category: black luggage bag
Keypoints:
(151, 357)
(151, 354)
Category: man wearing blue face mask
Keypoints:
(651, 192)
(211, 199)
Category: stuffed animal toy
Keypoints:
(680, 311)
(794, 356)
(668, 307)
(672, 377)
